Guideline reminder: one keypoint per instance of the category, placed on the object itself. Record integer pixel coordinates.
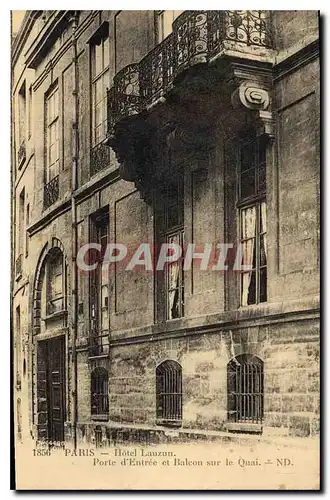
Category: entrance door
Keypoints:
(51, 389)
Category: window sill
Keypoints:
(100, 418)
(243, 427)
(55, 315)
(99, 356)
(255, 306)
(169, 423)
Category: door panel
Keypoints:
(51, 389)
(56, 385)
(42, 403)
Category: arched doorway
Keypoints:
(49, 325)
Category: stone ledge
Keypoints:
(149, 434)
(265, 314)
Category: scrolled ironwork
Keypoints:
(251, 27)
(99, 159)
(51, 192)
(190, 39)
(156, 71)
(125, 99)
(197, 37)
(216, 29)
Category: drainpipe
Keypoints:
(74, 23)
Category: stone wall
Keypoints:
(290, 353)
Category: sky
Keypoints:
(17, 18)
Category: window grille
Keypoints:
(169, 393)
(245, 380)
(100, 392)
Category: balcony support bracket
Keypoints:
(257, 98)
(131, 142)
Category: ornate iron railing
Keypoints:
(18, 265)
(98, 345)
(51, 192)
(21, 155)
(100, 158)
(197, 37)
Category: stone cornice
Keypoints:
(96, 184)
(62, 50)
(49, 215)
(262, 315)
(267, 314)
(45, 39)
(290, 62)
(23, 34)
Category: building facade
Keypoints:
(176, 127)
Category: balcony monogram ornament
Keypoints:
(253, 97)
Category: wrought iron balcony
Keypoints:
(18, 266)
(21, 155)
(51, 192)
(197, 37)
(100, 158)
(98, 345)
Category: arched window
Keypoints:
(169, 393)
(245, 384)
(55, 281)
(100, 393)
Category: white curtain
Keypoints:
(248, 229)
(264, 225)
(173, 284)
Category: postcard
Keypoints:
(165, 187)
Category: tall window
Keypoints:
(100, 83)
(52, 135)
(55, 281)
(21, 209)
(27, 222)
(164, 22)
(18, 346)
(22, 113)
(253, 221)
(30, 112)
(100, 393)
(169, 393)
(99, 286)
(174, 233)
(245, 385)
